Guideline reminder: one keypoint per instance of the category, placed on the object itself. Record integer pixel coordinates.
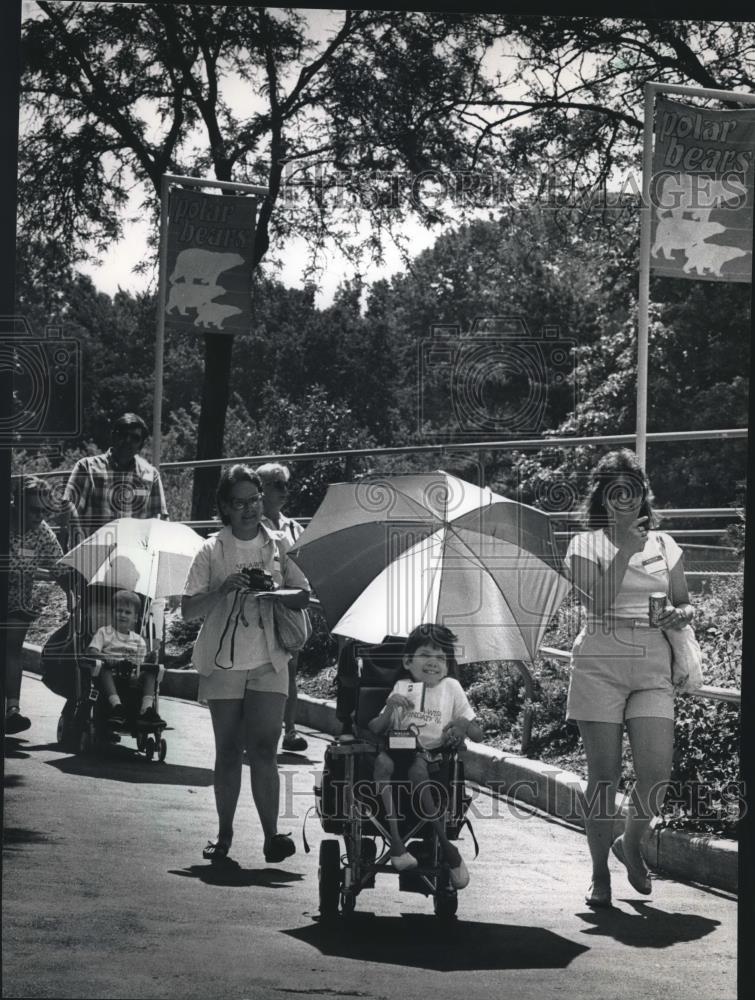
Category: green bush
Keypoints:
(704, 793)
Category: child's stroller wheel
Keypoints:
(348, 902)
(149, 748)
(445, 905)
(329, 878)
(65, 733)
(162, 749)
(141, 741)
(85, 742)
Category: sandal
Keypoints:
(215, 851)
(639, 880)
(599, 898)
(279, 848)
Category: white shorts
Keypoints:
(232, 684)
(621, 674)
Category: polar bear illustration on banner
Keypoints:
(194, 285)
(683, 221)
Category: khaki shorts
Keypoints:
(621, 674)
(234, 683)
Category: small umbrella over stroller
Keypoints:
(152, 558)
(387, 555)
(147, 555)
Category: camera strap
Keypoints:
(235, 615)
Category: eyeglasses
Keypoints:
(125, 434)
(247, 504)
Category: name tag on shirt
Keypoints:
(656, 564)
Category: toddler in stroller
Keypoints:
(355, 797)
(118, 648)
(426, 710)
(111, 680)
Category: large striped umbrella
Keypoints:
(387, 555)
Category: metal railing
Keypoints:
(480, 447)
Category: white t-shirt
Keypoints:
(119, 645)
(646, 571)
(246, 553)
(438, 705)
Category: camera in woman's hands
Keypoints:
(258, 579)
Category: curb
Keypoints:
(705, 860)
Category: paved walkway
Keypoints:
(105, 894)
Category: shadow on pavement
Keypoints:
(16, 837)
(288, 757)
(416, 940)
(121, 764)
(13, 780)
(230, 873)
(648, 927)
(12, 749)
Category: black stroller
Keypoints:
(83, 725)
(348, 804)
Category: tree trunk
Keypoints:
(215, 394)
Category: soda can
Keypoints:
(656, 606)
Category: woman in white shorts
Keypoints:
(621, 667)
(246, 691)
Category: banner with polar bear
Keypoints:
(702, 193)
(209, 262)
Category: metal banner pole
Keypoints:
(644, 291)
(157, 411)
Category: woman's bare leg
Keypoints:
(602, 742)
(263, 717)
(227, 715)
(652, 742)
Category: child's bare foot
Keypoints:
(458, 873)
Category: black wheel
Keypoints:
(162, 749)
(141, 740)
(85, 742)
(149, 748)
(66, 733)
(329, 878)
(445, 905)
(348, 902)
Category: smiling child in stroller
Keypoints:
(398, 776)
(117, 650)
(106, 666)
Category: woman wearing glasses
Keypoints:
(247, 695)
(32, 554)
(621, 663)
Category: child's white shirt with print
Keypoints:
(438, 705)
